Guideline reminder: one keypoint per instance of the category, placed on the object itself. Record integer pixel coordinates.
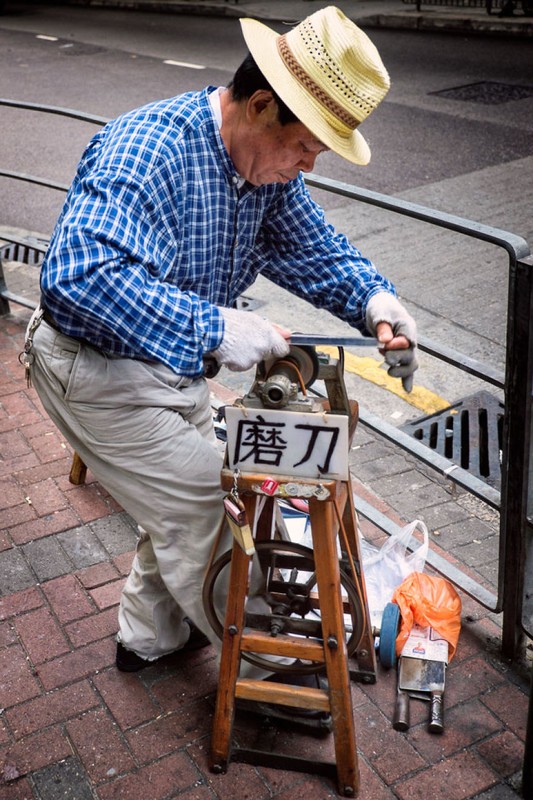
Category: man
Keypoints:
(174, 210)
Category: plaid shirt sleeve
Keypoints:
(155, 236)
(298, 250)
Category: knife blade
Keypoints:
(317, 339)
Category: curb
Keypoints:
(444, 21)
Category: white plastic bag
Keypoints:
(387, 567)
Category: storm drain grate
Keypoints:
(488, 92)
(25, 253)
(468, 433)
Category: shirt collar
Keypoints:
(214, 101)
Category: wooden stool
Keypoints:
(78, 471)
(330, 517)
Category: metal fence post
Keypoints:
(516, 451)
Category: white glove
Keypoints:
(384, 307)
(248, 339)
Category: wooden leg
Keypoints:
(366, 654)
(229, 661)
(323, 526)
(78, 471)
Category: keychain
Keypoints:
(237, 518)
(26, 358)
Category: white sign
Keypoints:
(308, 445)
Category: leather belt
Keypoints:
(48, 318)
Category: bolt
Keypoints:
(332, 642)
(363, 653)
(348, 791)
(233, 630)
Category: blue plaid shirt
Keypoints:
(156, 234)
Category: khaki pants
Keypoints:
(147, 435)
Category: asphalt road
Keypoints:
(460, 152)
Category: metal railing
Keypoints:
(512, 500)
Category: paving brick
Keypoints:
(66, 780)
(46, 497)
(82, 547)
(126, 697)
(20, 602)
(88, 503)
(41, 635)
(117, 533)
(90, 629)
(310, 787)
(97, 575)
(464, 725)
(8, 634)
(373, 469)
(456, 778)
(45, 526)
(155, 781)
(51, 708)
(48, 446)
(371, 787)
(413, 506)
(411, 481)
(503, 752)
(77, 665)
(17, 682)
(13, 445)
(466, 679)
(39, 472)
(392, 755)
(124, 561)
(16, 515)
(437, 517)
(5, 541)
(13, 464)
(68, 599)
(4, 734)
(510, 705)
(201, 792)
(182, 687)
(109, 594)
(99, 745)
(46, 558)
(161, 736)
(10, 495)
(18, 790)
(16, 572)
(37, 751)
(17, 404)
(245, 780)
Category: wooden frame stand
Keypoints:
(328, 517)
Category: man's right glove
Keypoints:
(385, 307)
(248, 339)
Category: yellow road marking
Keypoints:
(370, 369)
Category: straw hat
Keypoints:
(327, 71)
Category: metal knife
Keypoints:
(317, 339)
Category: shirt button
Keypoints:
(235, 180)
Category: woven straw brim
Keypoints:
(262, 44)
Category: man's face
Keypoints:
(274, 153)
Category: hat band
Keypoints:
(312, 87)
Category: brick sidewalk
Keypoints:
(73, 727)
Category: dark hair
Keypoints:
(248, 79)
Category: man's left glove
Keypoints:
(385, 307)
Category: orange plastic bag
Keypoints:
(427, 600)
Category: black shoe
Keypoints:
(128, 661)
